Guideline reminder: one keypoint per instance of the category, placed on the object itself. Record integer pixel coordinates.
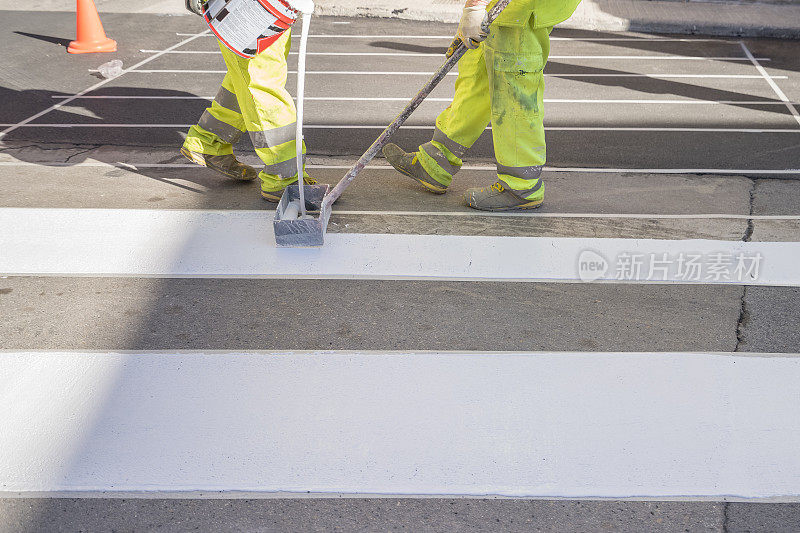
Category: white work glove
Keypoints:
(305, 7)
(195, 6)
(470, 29)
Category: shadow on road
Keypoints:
(46, 38)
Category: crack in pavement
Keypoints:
(744, 313)
(87, 150)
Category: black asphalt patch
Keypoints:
(142, 314)
(388, 514)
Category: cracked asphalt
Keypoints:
(728, 143)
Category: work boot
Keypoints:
(226, 165)
(275, 196)
(409, 165)
(496, 197)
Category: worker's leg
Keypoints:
(268, 111)
(515, 59)
(221, 125)
(210, 142)
(457, 128)
(460, 125)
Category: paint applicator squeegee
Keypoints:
(305, 232)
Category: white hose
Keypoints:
(301, 82)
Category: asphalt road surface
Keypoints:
(654, 138)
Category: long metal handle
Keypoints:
(455, 55)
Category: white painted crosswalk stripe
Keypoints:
(240, 244)
(611, 425)
(686, 129)
(479, 168)
(439, 100)
(642, 38)
(439, 55)
(426, 73)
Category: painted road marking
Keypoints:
(240, 244)
(421, 127)
(770, 81)
(431, 99)
(588, 170)
(9, 128)
(604, 425)
(422, 54)
(539, 214)
(423, 73)
(450, 37)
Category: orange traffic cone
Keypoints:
(91, 36)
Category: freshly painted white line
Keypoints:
(560, 57)
(676, 129)
(311, 72)
(253, 495)
(340, 36)
(676, 170)
(140, 97)
(662, 76)
(96, 86)
(640, 39)
(661, 102)
(483, 168)
(610, 425)
(101, 125)
(659, 58)
(424, 73)
(770, 80)
(352, 54)
(431, 99)
(430, 127)
(450, 37)
(240, 244)
(540, 214)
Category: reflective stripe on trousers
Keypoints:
(227, 99)
(441, 157)
(220, 128)
(274, 137)
(285, 169)
(524, 180)
(500, 83)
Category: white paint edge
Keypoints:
(641, 216)
(431, 99)
(645, 426)
(241, 495)
(568, 170)
(425, 127)
(424, 73)
(439, 55)
(240, 244)
(450, 37)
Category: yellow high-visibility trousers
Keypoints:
(253, 98)
(501, 82)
